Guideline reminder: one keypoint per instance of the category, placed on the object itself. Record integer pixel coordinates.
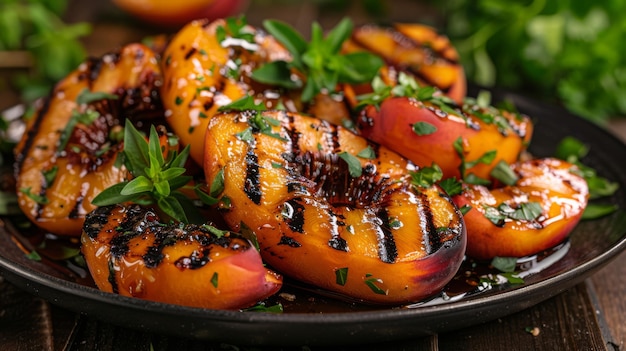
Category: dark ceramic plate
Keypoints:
(592, 244)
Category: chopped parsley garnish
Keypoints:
(367, 153)
(504, 173)
(526, 211)
(354, 165)
(451, 186)
(408, 87)
(426, 176)
(86, 96)
(504, 264)
(40, 199)
(50, 174)
(341, 276)
(246, 103)
(486, 158)
(371, 283)
(83, 114)
(424, 128)
(235, 28)
(262, 307)
(214, 279)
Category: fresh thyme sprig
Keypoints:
(156, 179)
(320, 61)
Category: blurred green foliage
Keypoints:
(36, 26)
(568, 50)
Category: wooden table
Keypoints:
(590, 316)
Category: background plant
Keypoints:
(565, 50)
(36, 27)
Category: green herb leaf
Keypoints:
(319, 60)
(243, 104)
(341, 276)
(504, 264)
(214, 279)
(424, 128)
(135, 150)
(262, 307)
(155, 179)
(137, 185)
(527, 211)
(571, 149)
(504, 173)
(217, 185)
(249, 234)
(512, 278)
(40, 199)
(173, 208)
(451, 186)
(236, 27)
(372, 284)
(286, 35)
(354, 165)
(50, 174)
(33, 255)
(113, 195)
(465, 209)
(276, 73)
(86, 96)
(427, 176)
(367, 153)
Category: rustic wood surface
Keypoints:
(590, 316)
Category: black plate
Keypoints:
(592, 244)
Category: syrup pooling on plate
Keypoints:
(473, 278)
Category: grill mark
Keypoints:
(336, 241)
(74, 213)
(401, 38)
(190, 53)
(293, 214)
(196, 260)
(252, 185)
(289, 241)
(432, 240)
(294, 136)
(94, 68)
(387, 250)
(30, 139)
(95, 221)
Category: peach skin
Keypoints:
(131, 253)
(454, 138)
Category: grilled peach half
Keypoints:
(131, 253)
(415, 49)
(457, 139)
(331, 209)
(68, 153)
(535, 214)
